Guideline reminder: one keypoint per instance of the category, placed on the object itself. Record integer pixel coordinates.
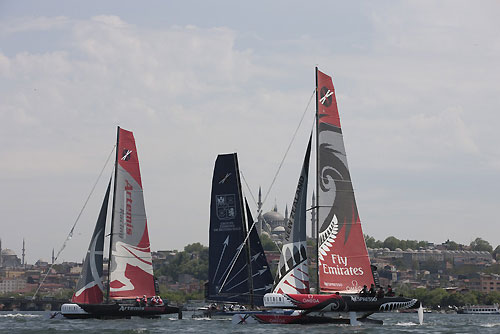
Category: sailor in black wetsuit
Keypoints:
(363, 292)
(372, 292)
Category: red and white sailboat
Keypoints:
(343, 262)
(130, 273)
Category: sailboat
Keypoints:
(239, 273)
(130, 267)
(343, 263)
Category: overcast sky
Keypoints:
(417, 89)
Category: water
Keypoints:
(38, 322)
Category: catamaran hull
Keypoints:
(111, 311)
(335, 303)
(340, 309)
(374, 304)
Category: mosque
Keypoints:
(9, 258)
(272, 223)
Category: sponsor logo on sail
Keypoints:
(289, 226)
(226, 206)
(128, 207)
(224, 178)
(326, 97)
(126, 155)
(339, 267)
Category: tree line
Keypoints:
(392, 243)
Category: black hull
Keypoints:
(374, 304)
(112, 311)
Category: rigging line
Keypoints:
(237, 255)
(248, 187)
(258, 212)
(289, 145)
(270, 187)
(70, 234)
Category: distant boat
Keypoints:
(479, 309)
(343, 263)
(238, 270)
(130, 267)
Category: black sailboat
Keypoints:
(238, 268)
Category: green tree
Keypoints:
(481, 245)
(372, 243)
(392, 243)
(195, 248)
(451, 245)
(267, 243)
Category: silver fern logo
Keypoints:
(327, 238)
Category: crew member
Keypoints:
(363, 291)
(380, 292)
(390, 292)
(372, 293)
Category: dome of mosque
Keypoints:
(273, 216)
(8, 252)
(279, 229)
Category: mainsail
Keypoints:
(131, 268)
(229, 271)
(293, 275)
(343, 261)
(89, 289)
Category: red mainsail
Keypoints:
(131, 273)
(343, 262)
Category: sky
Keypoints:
(416, 84)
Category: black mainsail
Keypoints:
(229, 256)
(89, 289)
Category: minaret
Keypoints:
(259, 210)
(23, 254)
(1, 263)
(313, 218)
(53, 257)
(285, 221)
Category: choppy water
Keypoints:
(38, 322)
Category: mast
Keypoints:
(317, 184)
(245, 233)
(112, 213)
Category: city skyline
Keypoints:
(416, 85)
